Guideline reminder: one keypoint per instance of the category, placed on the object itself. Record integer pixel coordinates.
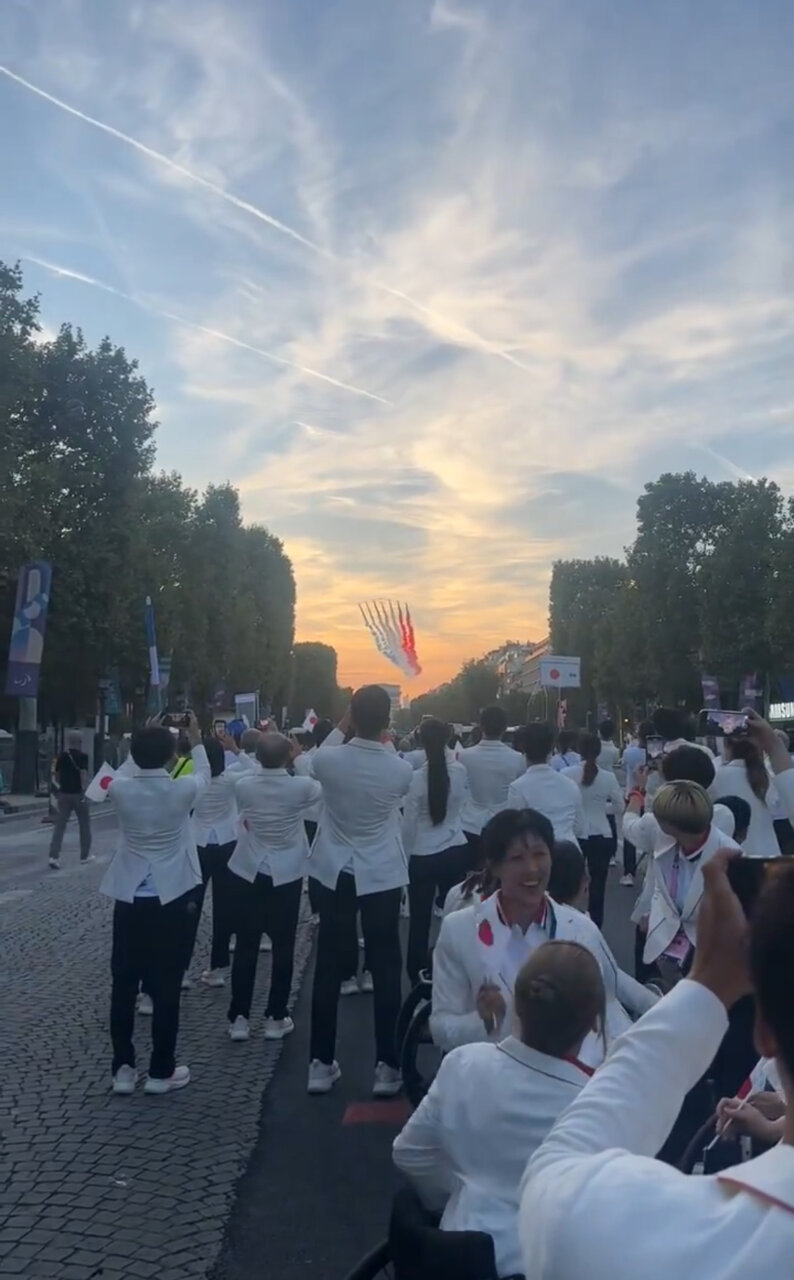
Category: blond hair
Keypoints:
(684, 806)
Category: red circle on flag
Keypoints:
(106, 781)
(554, 674)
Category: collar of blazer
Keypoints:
(563, 1069)
(769, 1177)
(695, 890)
(367, 743)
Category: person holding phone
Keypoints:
(743, 773)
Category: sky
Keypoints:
(438, 284)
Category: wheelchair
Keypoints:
(417, 1250)
(418, 1057)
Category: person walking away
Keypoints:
(215, 821)
(743, 773)
(635, 756)
(780, 819)
(608, 758)
(153, 880)
(544, 790)
(599, 789)
(71, 776)
(566, 755)
(268, 867)
(438, 853)
(183, 765)
(491, 765)
(359, 860)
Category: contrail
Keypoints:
(246, 207)
(68, 274)
(729, 466)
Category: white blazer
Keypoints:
(156, 835)
(360, 827)
(303, 768)
(731, 780)
(558, 798)
(466, 1147)
(215, 815)
(665, 920)
(644, 832)
(595, 1203)
(603, 790)
(460, 967)
(272, 840)
(420, 836)
(490, 767)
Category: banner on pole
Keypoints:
(27, 630)
(560, 673)
(711, 692)
(151, 642)
(750, 692)
(246, 707)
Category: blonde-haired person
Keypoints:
(491, 1105)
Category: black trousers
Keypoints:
(785, 836)
(149, 945)
(597, 851)
(380, 920)
(214, 859)
(311, 832)
(474, 841)
(426, 873)
(263, 907)
(629, 858)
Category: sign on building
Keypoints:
(560, 673)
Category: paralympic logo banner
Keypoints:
(27, 630)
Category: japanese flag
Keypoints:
(310, 720)
(97, 789)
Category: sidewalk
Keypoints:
(12, 805)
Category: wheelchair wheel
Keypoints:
(419, 1056)
(375, 1264)
(414, 998)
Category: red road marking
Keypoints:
(394, 1112)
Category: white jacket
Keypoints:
(466, 1147)
(363, 787)
(558, 798)
(462, 963)
(155, 832)
(490, 768)
(420, 836)
(731, 780)
(604, 791)
(596, 1204)
(303, 769)
(215, 817)
(272, 840)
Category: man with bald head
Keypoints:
(71, 775)
(269, 863)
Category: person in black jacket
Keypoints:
(71, 775)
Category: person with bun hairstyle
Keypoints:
(744, 774)
(491, 1105)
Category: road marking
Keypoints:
(13, 895)
(395, 1112)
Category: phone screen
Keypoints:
(722, 724)
(654, 750)
(219, 728)
(747, 877)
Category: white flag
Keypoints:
(310, 721)
(97, 789)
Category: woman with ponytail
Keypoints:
(744, 774)
(434, 841)
(599, 788)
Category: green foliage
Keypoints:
(460, 700)
(77, 488)
(314, 683)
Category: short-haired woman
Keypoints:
(600, 789)
(490, 1106)
(481, 947)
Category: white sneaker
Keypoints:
(438, 912)
(239, 1029)
(143, 1005)
(627, 881)
(366, 985)
(314, 919)
(361, 944)
(55, 863)
(322, 1076)
(90, 857)
(187, 982)
(232, 943)
(265, 944)
(213, 978)
(349, 987)
(613, 862)
(125, 1080)
(178, 1080)
(388, 1081)
(278, 1028)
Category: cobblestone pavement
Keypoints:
(93, 1185)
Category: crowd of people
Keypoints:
(562, 1074)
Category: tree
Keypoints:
(582, 594)
(314, 682)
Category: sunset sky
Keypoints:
(438, 284)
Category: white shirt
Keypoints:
(604, 790)
(363, 787)
(466, 1147)
(608, 756)
(272, 840)
(303, 768)
(156, 835)
(594, 1203)
(490, 767)
(565, 761)
(634, 758)
(553, 795)
(731, 780)
(215, 814)
(420, 836)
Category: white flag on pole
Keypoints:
(97, 789)
(310, 720)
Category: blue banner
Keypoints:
(151, 641)
(27, 630)
(711, 692)
(750, 693)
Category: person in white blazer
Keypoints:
(566, 755)
(594, 1178)
(540, 787)
(481, 947)
(268, 865)
(438, 853)
(153, 878)
(743, 773)
(359, 862)
(491, 1105)
(215, 822)
(600, 790)
(491, 765)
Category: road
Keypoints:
(238, 1176)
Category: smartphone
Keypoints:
(722, 724)
(219, 728)
(177, 719)
(747, 877)
(654, 750)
